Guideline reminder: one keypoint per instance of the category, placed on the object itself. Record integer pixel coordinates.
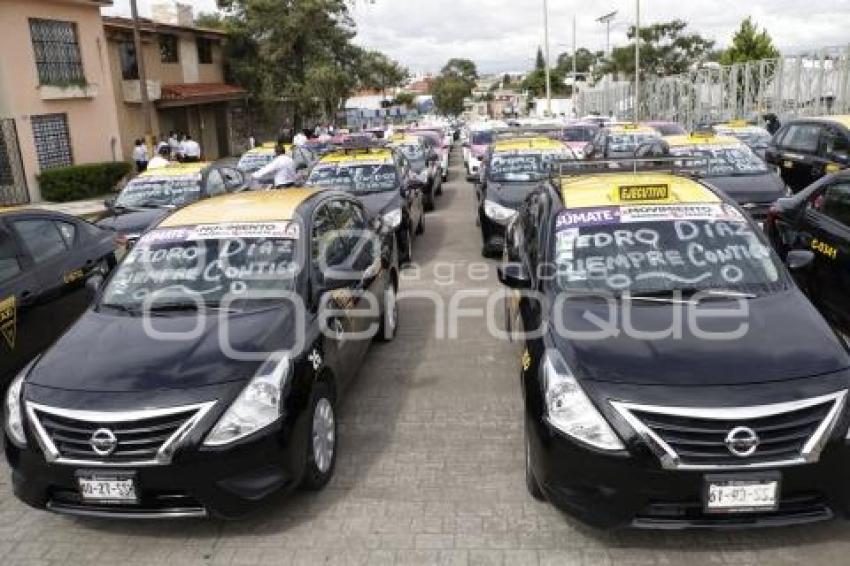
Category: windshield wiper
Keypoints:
(118, 307)
(184, 306)
(685, 293)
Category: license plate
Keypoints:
(742, 494)
(788, 164)
(107, 488)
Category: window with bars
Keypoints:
(205, 56)
(52, 140)
(57, 52)
(129, 63)
(168, 49)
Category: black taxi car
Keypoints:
(619, 141)
(383, 179)
(655, 393)
(806, 149)
(424, 164)
(153, 194)
(512, 167)
(239, 321)
(729, 164)
(45, 260)
(818, 219)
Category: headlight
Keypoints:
(393, 218)
(569, 410)
(497, 212)
(257, 406)
(14, 414)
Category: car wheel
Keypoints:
(406, 245)
(531, 482)
(429, 203)
(321, 444)
(420, 228)
(389, 318)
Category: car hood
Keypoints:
(109, 352)
(134, 221)
(787, 339)
(763, 188)
(380, 203)
(511, 195)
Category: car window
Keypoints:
(232, 178)
(836, 203)
(215, 183)
(328, 247)
(9, 263)
(802, 137)
(41, 238)
(68, 231)
(835, 143)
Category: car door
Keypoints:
(826, 231)
(410, 192)
(797, 155)
(835, 149)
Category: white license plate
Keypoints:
(742, 495)
(107, 489)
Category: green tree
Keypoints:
(665, 49)
(405, 99)
(449, 92)
(540, 60)
(749, 44)
(585, 60)
(378, 71)
(210, 20)
(463, 69)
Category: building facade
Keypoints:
(184, 69)
(57, 105)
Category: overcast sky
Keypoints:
(503, 35)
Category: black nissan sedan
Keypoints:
(673, 374)
(207, 373)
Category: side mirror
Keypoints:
(799, 260)
(513, 275)
(94, 283)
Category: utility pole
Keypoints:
(606, 19)
(143, 82)
(575, 54)
(637, 60)
(548, 74)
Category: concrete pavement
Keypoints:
(430, 468)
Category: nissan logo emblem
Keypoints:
(742, 441)
(103, 442)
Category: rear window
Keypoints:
(578, 134)
(482, 138)
(648, 249)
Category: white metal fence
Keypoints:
(799, 85)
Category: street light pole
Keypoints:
(548, 75)
(143, 83)
(606, 19)
(637, 60)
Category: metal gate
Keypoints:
(13, 183)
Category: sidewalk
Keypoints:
(88, 209)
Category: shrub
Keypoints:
(77, 182)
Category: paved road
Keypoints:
(430, 470)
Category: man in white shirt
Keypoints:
(299, 139)
(191, 150)
(282, 167)
(161, 159)
(140, 155)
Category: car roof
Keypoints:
(381, 155)
(605, 189)
(520, 143)
(260, 206)
(630, 128)
(841, 119)
(405, 138)
(701, 139)
(176, 169)
(267, 148)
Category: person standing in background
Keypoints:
(140, 156)
(281, 167)
(191, 150)
(173, 143)
(299, 139)
(163, 143)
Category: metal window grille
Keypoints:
(52, 140)
(204, 50)
(57, 52)
(168, 49)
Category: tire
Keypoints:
(531, 482)
(420, 228)
(321, 439)
(389, 317)
(429, 203)
(406, 245)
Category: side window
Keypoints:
(802, 137)
(835, 203)
(835, 143)
(232, 178)
(329, 246)
(9, 263)
(215, 183)
(41, 238)
(68, 232)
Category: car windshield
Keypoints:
(724, 160)
(628, 142)
(412, 151)
(578, 134)
(482, 138)
(669, 129)
(756, 137)
(522, 166)
(206, 265)
(251, 162)
(658, 249)
(355, 178)
(166, 191)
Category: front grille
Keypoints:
(150, 505)
(788, 433)
(141, 437)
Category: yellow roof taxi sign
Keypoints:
(701, 138)
(537, 143)
(612, 189)
(176, 170)
(359, 155)
(260, 206)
